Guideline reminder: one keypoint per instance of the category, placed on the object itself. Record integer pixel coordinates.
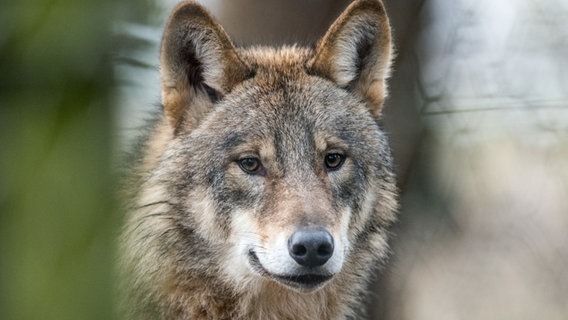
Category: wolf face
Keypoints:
(268, 168)
(285, 170)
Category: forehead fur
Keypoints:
(283, 88)
(287, 61)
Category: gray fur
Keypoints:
(195, 217)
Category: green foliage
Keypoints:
(58, 217)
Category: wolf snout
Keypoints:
(311, 248)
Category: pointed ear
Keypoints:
(199, 64)
(356, 52)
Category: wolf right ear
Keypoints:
(199, 64)
(356, 52)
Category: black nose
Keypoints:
(311, 248)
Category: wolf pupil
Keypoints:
(249, 165)
(333, 161)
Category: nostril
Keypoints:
(325, 249)
(311, 248)
(299, 250)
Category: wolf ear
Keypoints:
(199, 64)
(356, 52)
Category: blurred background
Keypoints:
(478, 118)
(58, 218)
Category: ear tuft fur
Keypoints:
(356, 52)
(199, 64)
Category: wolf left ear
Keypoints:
(356, 52)
(199, 64)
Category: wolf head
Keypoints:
(269, 165)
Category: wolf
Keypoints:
(265, 188)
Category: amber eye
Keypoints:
(251, 165)
(334, 161)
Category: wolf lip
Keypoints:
(298, 281)
(306, 281)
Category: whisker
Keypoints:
(155, 203)
(164, 214)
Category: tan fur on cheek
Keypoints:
(202, 209)
(244, 236)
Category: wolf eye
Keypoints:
(334, 161)
(251, 165)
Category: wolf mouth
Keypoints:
(307, 281)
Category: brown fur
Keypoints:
(195, 217)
